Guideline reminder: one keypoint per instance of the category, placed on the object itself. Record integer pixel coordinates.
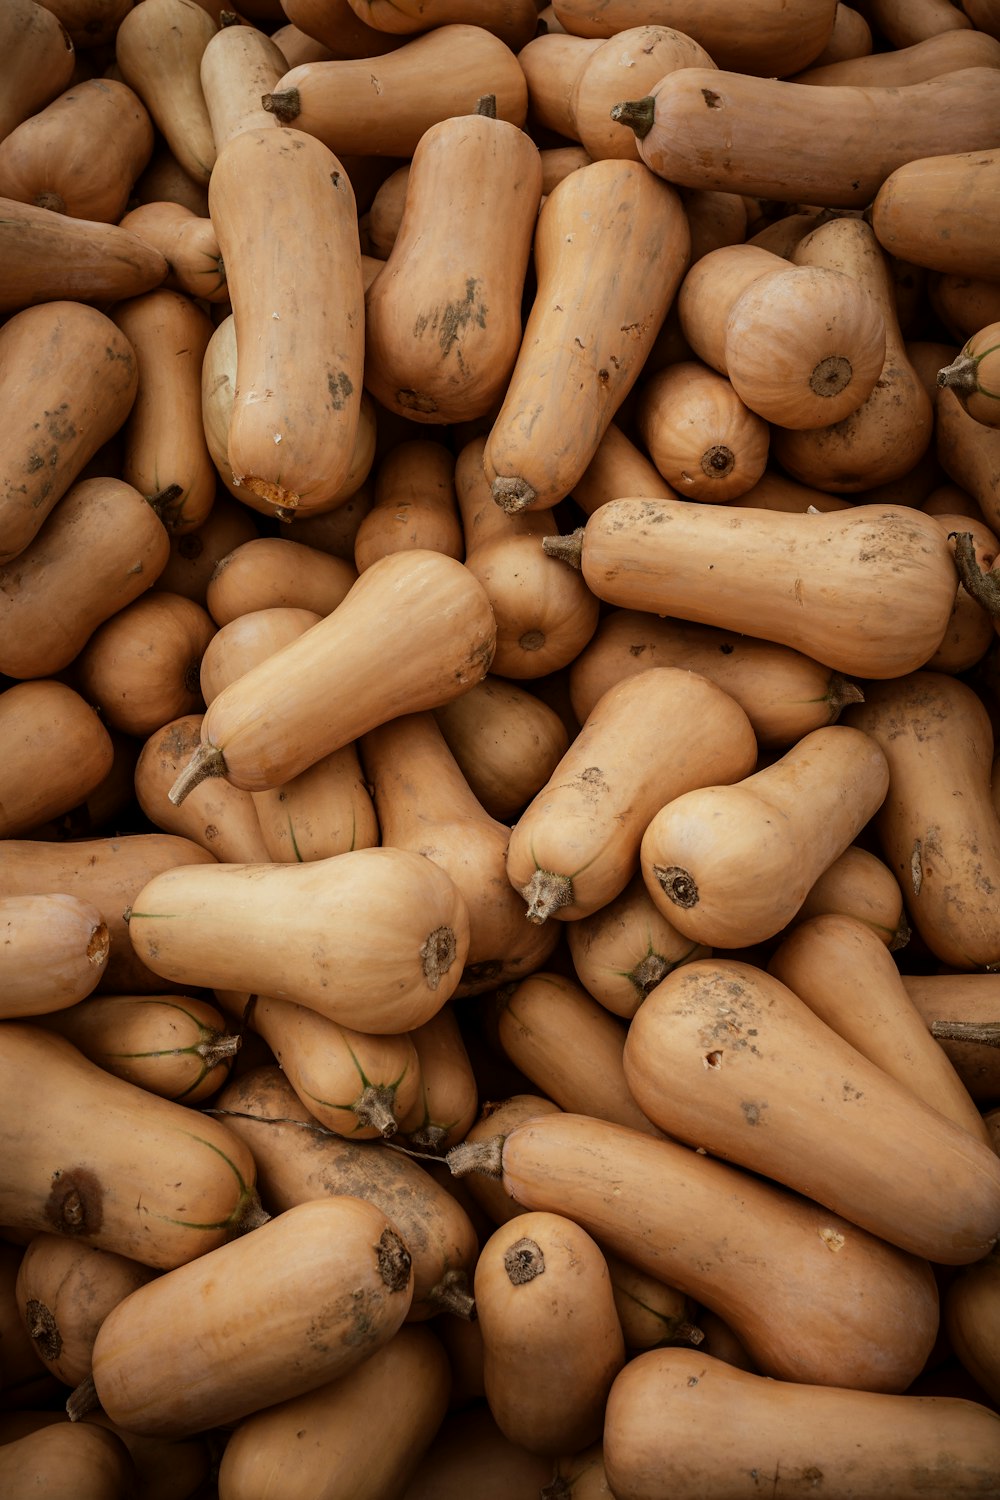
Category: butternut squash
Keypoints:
(38, 61)
(176, 1046)
(91, 23)
(64, 1291)
(423, 803)
(220, 817)
(942, 211)
(382, 933)
(633, 59)
(275, 572)
(443, 316)
(904, 24)
(703, 438)
(68, 381)
(335, 1283)
(551, 63)
(847, 976)
(860, 886)
(449, 1091)
(290, 441)
(813, 1297)
(188, 242)
(943, 848)
(362, 1434)
(970, 632)
(506, 740)
(552, 1341)
(650, 1312)
(471, 1455)
(512, 20)
(830, 145)
(48, 257)
(158, 51)
(964, 304)
(792, 579)
(783, 693)
(156, 1183)
(534, 454)
(298, 1160)
(100, 548)
(269, 725)
(975, 375)
(430, 78)
(683, 1424)
(53, 951)
(648, 738)
(967, 451)
(889, 67)
(961, 1010)
(67, 1463)
(45, 160)
(238, 66)
(414, 504)
(54, 749)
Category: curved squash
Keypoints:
(158, 51)
(414, 504)
(53, 951)
(275, 572)
(449, 1091)
(49, 257)
(221, 818)
(975, 375)
(513, 21)
(889, 67)
(631, 60)
(188, 242)
(67, 1463)
(238, 66)
(942, 212)
(38, 61)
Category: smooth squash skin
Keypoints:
(867, 590)
(275, 572)
(415, 631)
(514, 21)
(961, 1012)
(943, 52)
(325, 1283)
(563, 391)
(831, 145)
(53, 951)
(238, 66)
(300, 353)
(380, 934)
(414, 504)
(552, 1340)
(449, 1090)
(48, 257)
(860, 886)
(812, 1297)
(793, 1100)
(362, 1434)
(681, 1425)
(702, 436)
(938, 827)
(158, 50)
(157, 1183)
(55, 751)
(506, 740)
(443, 316)
(189, 243)
(628, 62)
(942, 212)
(975, 375)
(731, 865)
(971, 1317)
(67, 1463)
(649, 737)
(38, 61)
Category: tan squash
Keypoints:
(298, 1161)
(943, 848)
(649, 738)
(569, 1047)
(158, 51)
(424, 804)
(140, 667)
(975, 375)
(239, 65)
(889, 67)
(46, 160)
(176, 1046)
(338, 1260)
(791, 1099)
(558, 162)
(357, 1083)
(551, 63)
(942, 212)
(703, 438)
(165, 180)
(449, 1090)
(158, 1184)
(681, 1424)
(630, 61)
(783, 693)
(166, 456)
(220, 817)
(101, 547)
(382, 933)
(53, 951)
(105, 871)
(771, 1263)
(48, 257)
(506, 740)
(792, 579)
(428, 79)
(769, 38)
(488, 1192)
(270, 725)
(69, 378)
(38, 61)
(333, 25)
(362, 1434)
(414, 504)
(860, 886)
(291, 441)
(904, 22)
(67, 1463)
(783, 826)
(512, 20)
(443, 316)
(847, 976)
(275, 572)
(961, 1011)
(622, 950)
(534, 454)
(552, 1342)
(54, 750)
(883, 439)
(828, 145)
(710, 289)
(188, 242)
(384, 218)
(64, 1291)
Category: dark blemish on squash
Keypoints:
(75, 1205)
(713, 1059)
(341, 389)
(523, 1261)
(393, 1260)
(727, 649)
(752, 1111)
(712, 99)
(43, 1329)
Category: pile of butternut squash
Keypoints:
(499, 803)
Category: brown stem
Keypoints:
(984, 587)
(486, 106)
(637, 114)
(983, 1033)
(484, 1157)
(429, 1137)
(841, 692)
(285, 104)
(452, 1295)
(545, 893)
(163, 499)
(568, 548)
(512, 494)
(961, 376)
(219, 1046)
(437, 955)
(205, 762)
(250, 1215)
(374, 1107)
(82, 1400)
